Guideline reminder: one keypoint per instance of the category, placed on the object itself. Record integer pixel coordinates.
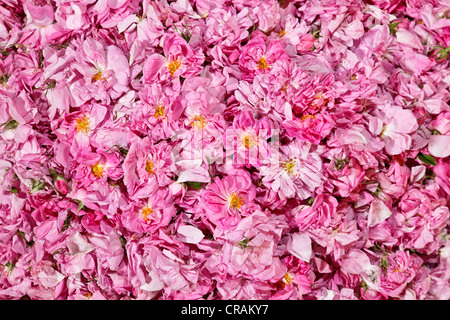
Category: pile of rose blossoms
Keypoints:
(225, 149)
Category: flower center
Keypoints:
(97, 170)
(248, 141)
(149, 167)
(281, 33)
(174, 66)
(82, 124)
(283, 282)
(159, 111)
(262, 64)
(287, 279)
(88, 295)
(308, 116)
(319, 101)
(235, 201)
(98, 76)
(288, 166)
(146, 212)
(198, 121)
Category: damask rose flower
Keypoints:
(259, 55)
(214, 150)
(310, 128)
(227, 200)
(105, 71)
(151, 214)
(295, 172)
(250, 247)
(401, 269)
(179, 60)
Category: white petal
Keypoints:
(190, 234)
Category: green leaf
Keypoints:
(14, 190)
(22, 235)
(393, 27)
(11, 124)
(384, 263)
(244, 243)
(427, 159)
(80, 206)
(442, 54)
(53, 173)
(435, 132)
(123, 241)
(316, 34)
(66, 224)
(37, 185)
(4, 78)
(195, 184)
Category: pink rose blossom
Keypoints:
(218, 150)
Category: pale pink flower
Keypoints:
(250, 248)
(295, 172)
(398, 124)
(401, 270)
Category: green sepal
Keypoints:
(427, 159)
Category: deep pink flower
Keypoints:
(310, 128)
(258, 56)
(179, 60)
(150, 214)
(228, 199)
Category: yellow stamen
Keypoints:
(174, 66)
(248, 141)
(98, 76)
(88, 295)
(159, 111)
(149, 166)
(82, 124)
(308, 116)
(97, 170)
(235, 201)
(287, 279)
(283, 282)
(318, 98)
(146, 212)
(383, 130)
(198, 121)
(288, 166)
(262, 64)
(281, 33)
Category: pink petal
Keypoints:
(299, 245)
(439, 146)
(378, 212)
